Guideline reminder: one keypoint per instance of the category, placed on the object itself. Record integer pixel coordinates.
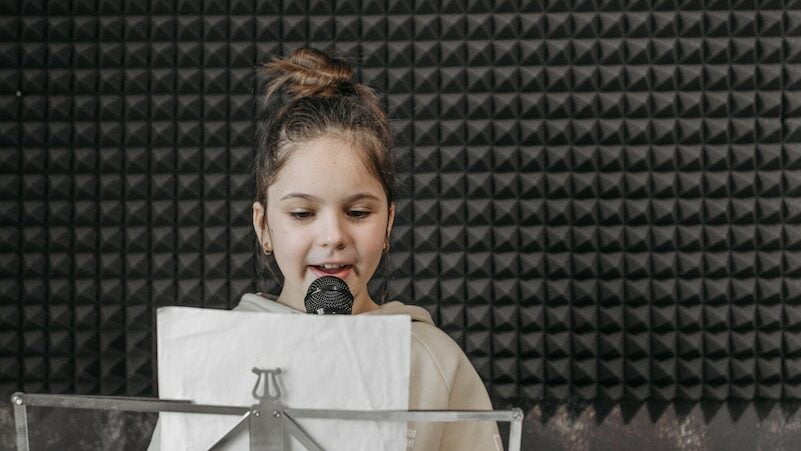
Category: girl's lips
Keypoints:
(341, 272)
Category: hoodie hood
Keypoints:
(261, 302)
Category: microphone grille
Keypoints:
(329, 295)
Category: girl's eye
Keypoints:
(359, 214)
(299, 215)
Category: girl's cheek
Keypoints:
(376, 246)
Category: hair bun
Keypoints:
(310, 72)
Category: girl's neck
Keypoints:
(364, 304)
(361, 303)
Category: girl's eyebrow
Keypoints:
(352, 198)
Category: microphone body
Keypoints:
(328, 295)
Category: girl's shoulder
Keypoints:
(429, 342)
(417, 313)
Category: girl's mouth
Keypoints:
(340, 272)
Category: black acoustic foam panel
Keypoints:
(602, 198)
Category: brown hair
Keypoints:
(307, 95)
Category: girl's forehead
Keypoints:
(325, 168)
(324, 151)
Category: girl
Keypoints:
(325, 204)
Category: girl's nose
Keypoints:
(332, 234)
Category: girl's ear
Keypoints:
(260, 225)
(391, 219)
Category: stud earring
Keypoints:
(268, 251)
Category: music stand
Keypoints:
(268, 422)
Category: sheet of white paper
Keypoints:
(327, 362)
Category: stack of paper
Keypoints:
(327, 362)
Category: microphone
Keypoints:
(328, 295)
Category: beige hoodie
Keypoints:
(441, 378)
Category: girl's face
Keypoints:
(325, 208)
